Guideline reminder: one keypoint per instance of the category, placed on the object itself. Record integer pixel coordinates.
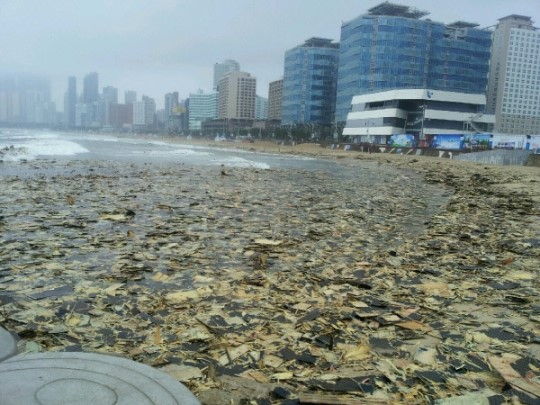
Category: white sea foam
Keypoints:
(241, 162)
(29, 146)
(171, 152)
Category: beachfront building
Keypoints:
(170, 116)
(275, 95)
(421, 114)
(109, 96)
(120, 116)
(514, 76)
(70, 101)
(221, 69)
(90, 88)
(178, 117)
(144, 113)
(130, 97)
(261, 107)
(391, 47)
(202, 106)
(309, 83)
(237, 96)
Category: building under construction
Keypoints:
(393, 46)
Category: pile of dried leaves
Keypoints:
(358, 285)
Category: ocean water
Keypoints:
(28, 145)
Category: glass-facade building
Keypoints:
(202, 107)
(309, 83)
(391, 48)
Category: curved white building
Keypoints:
(374, 117)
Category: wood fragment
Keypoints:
(329, 399)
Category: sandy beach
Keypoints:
(398, 279)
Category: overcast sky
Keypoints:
(160, 46)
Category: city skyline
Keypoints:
(166, 46)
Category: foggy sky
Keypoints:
(159, 46)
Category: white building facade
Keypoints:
(237, 96)
(144, 112)
(421, 113)
(514, 77)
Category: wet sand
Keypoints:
(247, 284)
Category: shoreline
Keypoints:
(344, 314)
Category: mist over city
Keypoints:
(166, 46)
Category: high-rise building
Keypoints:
(130, 97)
(202, 107)
(237, 95)
(390, 47)
(90, 88)
(171, 103)
(309, 83)
(275, 95)
(110, 94)
(514, 76)
(261, 108)
(84, 115)
(70, 100)
(221, 69)
(109, 97)
(120, 115)
(144, 112)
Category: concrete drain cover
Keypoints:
(8, 346)
(86, 378)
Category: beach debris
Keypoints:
(298, 285)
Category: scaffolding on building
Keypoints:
(397, 10)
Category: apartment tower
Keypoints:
(275, 95)
(514, 76)
(237, 96)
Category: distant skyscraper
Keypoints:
(221, 69)
(202, 107)
(110, 94)
(130, 97)
(237, 95)
(109, 97)
(261, 108)
(275, 95)
(171, 102)
(390, 47)
(514, 76)
(90, 88)
(144, 112)
(70, 102)
(309, 83)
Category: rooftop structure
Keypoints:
(463, 24)
(315, 42)
(397, 10)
